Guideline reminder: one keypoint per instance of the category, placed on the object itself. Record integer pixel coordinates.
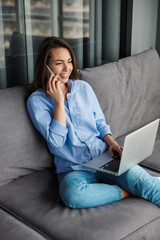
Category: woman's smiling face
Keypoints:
(61, 63)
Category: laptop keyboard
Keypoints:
(113, 165)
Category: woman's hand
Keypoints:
(54, 90)
(115, 148)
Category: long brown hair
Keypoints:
(44, 55)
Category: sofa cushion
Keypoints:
(22, 149)
(128, 90)
(39, 206)
(15, 229)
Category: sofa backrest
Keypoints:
(128, 90)
(22, 149)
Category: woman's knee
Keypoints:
(72, 193)
(72, 197)
(73, 188)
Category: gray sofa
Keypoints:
(30, 206)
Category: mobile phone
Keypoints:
(49, 72)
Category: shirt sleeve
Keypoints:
(52, 130)
(101, 124)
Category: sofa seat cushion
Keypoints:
(35, 199)
(152, 162)
(14, 229)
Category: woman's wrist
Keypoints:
(59, 113)
(109, 140)
(59, 103)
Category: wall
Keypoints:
(144, 25)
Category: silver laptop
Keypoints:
(137, 147)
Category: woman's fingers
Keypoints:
(115, 149)
(51, 83)
(111, 153)
(119, 150)
(54, 90)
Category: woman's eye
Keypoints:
(58, 63)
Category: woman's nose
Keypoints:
(65, 67)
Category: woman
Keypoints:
(67, 114)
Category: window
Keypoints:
(99, 31)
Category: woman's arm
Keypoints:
(102, 127)
(54, 132)
(59, 113)
(53, 129)
(54, 90)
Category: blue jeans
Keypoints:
(83, 189)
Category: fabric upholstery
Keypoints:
(128, 90)
(22, 149)
(153, 161)
(12, 228)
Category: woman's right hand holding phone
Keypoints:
(54, 90)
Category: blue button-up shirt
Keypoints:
(82, 138)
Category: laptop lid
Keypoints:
(138, 146)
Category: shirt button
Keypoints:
(75, 124)
(89, 145)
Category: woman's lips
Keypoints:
(65, 76)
